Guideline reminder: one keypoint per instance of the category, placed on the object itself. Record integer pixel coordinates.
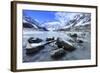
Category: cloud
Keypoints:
(64, 17)
(61, 19)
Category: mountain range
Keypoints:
(80, 21)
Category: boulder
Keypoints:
(49, 39)
(34, 40)
(30, 40)
(80, 41)
(32, 50)
(59, 43)
(66, 45)
(58, 53)
(74, 35)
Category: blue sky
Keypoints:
(44, 17)
(41, 16)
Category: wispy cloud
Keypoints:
(61, 19)
(64, 17)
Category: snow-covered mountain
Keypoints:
(82, 21)
(32, 24)
(54, 25)
(27, 24)
(79, 20)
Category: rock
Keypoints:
(49, 39)
(71, 40)
(33, 50)
(59, 43)
(34, 40)
(69, 48)
(66, 45)
(30, 39)
(34, 47)
(27, 25)
(80, 41)
(58, 53)
(74, 35)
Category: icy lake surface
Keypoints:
(83, 50)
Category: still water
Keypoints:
(82, 51)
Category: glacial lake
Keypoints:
(82, 52)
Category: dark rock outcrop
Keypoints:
(74, 35)
(65, 45)
(49, 39)
(80, 41)
(35, 50)
(27, 25)
(58, 53)
(34, 40)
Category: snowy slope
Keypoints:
(78, 20)
(27, 24)
(32, 23)
(52, 25)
